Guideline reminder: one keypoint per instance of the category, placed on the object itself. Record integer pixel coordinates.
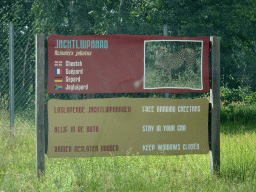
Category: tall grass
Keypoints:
(187, 79)
(128, 173)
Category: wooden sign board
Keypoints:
(106, 127)
(127, 64)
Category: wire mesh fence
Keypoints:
(24, 62)
(24, 74)
(4, 74)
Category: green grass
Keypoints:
(129, 173)
(187, 79)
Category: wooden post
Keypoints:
(215, 101)
(39, 101)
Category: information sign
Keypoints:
(105, 127)
(127, 64)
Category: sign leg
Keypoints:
(215, 100)
(39, 101)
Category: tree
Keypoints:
(233, 21)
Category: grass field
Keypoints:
(129, 173)
(189, 80)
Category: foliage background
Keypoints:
(233, 21)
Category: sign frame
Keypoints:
(214, 140)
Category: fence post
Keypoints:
(11, 77)
(215, 101)
(166, 95)
(39, 102)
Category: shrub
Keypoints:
(238, 112)
(243, 94)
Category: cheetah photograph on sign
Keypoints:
(173, 64)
